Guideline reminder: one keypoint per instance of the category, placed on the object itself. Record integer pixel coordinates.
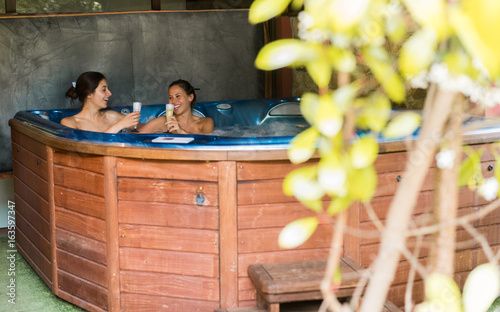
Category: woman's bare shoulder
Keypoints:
(69, 122)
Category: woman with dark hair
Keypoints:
(91, 90)
(181, 94)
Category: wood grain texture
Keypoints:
(155, 237)
(228, 235)
(36, 202)
(80, 202)
(84, 225)
(161, 261)
(83, 289)
(32, 217)
(33, 162)
(81, 161)
(167, 191)
(147, 303)
(262, 192)
(168, 215)
(41, 243)
(169, 170)
(267, 170)
(81, 267)
(83, 246)
(36, 258)
(34, 145)
(176, 286)
(80, 180)
(30, 179)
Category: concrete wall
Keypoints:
(140, 53)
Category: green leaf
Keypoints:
(283, 53)
(263, 10)
(329, 119)
(430, 14)
(495, 306)
(332, 174)
(363, 152)
(297, 232)
(418, 52)
(320, 72)
(342, 60)
(303, 146)
(442, 294)
(378, 60)
(402, 125)
(481, 288)
(309, 104)
(362, 183)
(339, 204)
(396, 28)
(470, 169)
(302, 184)
(374, 112)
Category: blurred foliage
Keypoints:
(53, 6)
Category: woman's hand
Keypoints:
(174, 127)
(126, 121)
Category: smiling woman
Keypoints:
(91, 89)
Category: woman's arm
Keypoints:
(120, 121)
(155, 125)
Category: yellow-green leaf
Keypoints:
(362, 183)
(418, 52)
(342, 60)
(431, 14)
(329, 119)
(402, 125)
(283, 53)
(296, 233)
(473, 21)
(345, 14)
(303, 146)
(339, 204)
(302, 184)
(320, 71)
(441, 287)
(374, 112)
(363, 152)
(377, 59)
(263, 10)
(332, 174)
(481, 288)
(309, 104)
(470, 169)
(396, 28)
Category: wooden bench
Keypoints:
(283, 282)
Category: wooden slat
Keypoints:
(266, 240)
(31, 161)
(267, 170)
(178, 286)
(33, 181)
(167, 191)
(80, 180)
(247, 295)
(143, 303)
(171, 215)
(351, 239)
(81, 224)
(80, 202)
(155, 237)
(81, 245)
(33, 265)
(52, 218)
(112, 245)
(79, 302)
(79, 161)
(387, 183)
(32, 199)
(189, 264)
(83, 289)
(41, 243)
(36, 259)
(390, 162)
(244, 260)
(32, 217)
(33, 145)
(81, 267)
(262, 192)
(271, 215)
(169, 170)
(228, 235)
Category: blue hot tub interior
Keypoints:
(271, 122)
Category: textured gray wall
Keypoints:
(140, 54)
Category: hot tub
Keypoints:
(155, 222)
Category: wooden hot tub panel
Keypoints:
(169, 243)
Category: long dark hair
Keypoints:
(187, 87)
(85, 85)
